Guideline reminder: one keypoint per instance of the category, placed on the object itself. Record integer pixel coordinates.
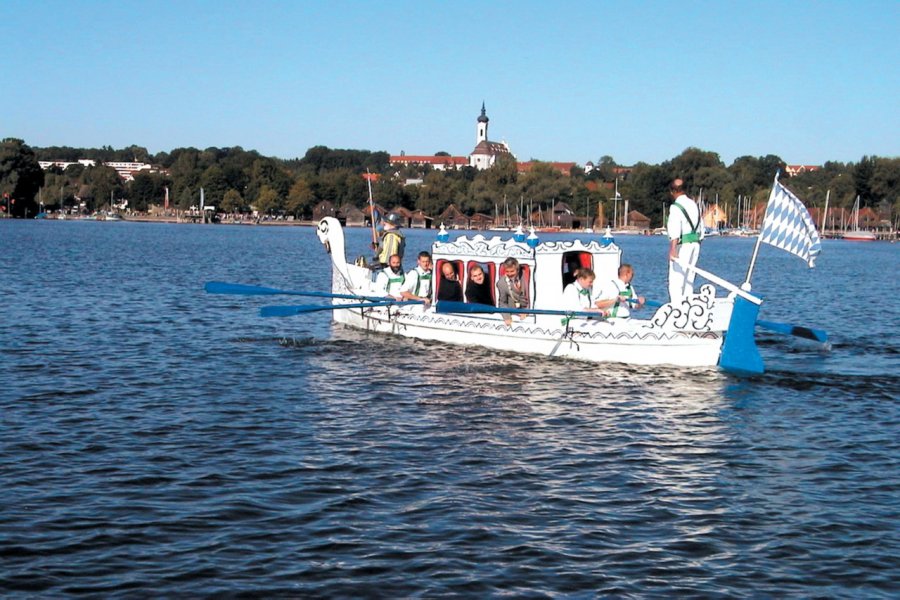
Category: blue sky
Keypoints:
(562, 81)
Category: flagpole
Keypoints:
(746, 284)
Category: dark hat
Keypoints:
(393, 219)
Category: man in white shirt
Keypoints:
(389, 280)
(616, 297)
(685, 229)
(417, 285)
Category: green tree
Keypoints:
(606, 168)
(885, 180)
(648, 189)
(300, 199)
(20, 177)
(267, 202)
(686, 165)
(232, 202)
(436, 193)
(104, 185)
(214, 184)
(543, 185)
(147, 189)
(490, 186)
(862, 179)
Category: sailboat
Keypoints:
(858, 235)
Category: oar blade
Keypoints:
(221, 287)
(817, 335)
(280, 311)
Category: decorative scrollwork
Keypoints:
(693, 313)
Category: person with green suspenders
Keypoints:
(417, 285)
(389, 281)
(617, 298)
(685, 229)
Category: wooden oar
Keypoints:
(299, 309)
(817, 335)
(220, 287)
(448, 306)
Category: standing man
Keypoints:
(685, 233)
(417, 285)
(392, 241)
(511, 289)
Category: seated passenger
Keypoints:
(417, 285)
(617, 296)
(389, 281)
(511, 289)
(579, 294)
(449, 287)
(478, 288)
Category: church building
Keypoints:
(486, 152)
(482, 157)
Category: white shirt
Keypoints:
(678, 225)
(576, 297)
(612, 290)
(412, 280)
(389, 283)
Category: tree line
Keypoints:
(239, 181)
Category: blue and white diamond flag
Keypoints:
(789, 226)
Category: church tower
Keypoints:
(481, 130)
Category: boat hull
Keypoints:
(625, 341)
(860, 236)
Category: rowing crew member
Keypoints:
(417, 285)
(579, 295)
(617, 296)
(389, 281)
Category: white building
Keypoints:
(126, 170)
(482, 157)
(486, 152)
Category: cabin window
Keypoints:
(487, 294)
(571, 262)
(438, 277)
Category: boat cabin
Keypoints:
(546, 269)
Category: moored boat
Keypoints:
(857, 234)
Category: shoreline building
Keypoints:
(125, 170)
(482, 157)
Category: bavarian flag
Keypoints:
(789, 226)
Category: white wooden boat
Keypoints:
(703, 330)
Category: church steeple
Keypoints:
(482, 127)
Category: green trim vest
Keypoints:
(420, 277)
(627, 293)
(582, 292)
(694, 235)
(393, 279)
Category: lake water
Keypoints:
(158, 441)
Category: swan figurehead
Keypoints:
(331, 234)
